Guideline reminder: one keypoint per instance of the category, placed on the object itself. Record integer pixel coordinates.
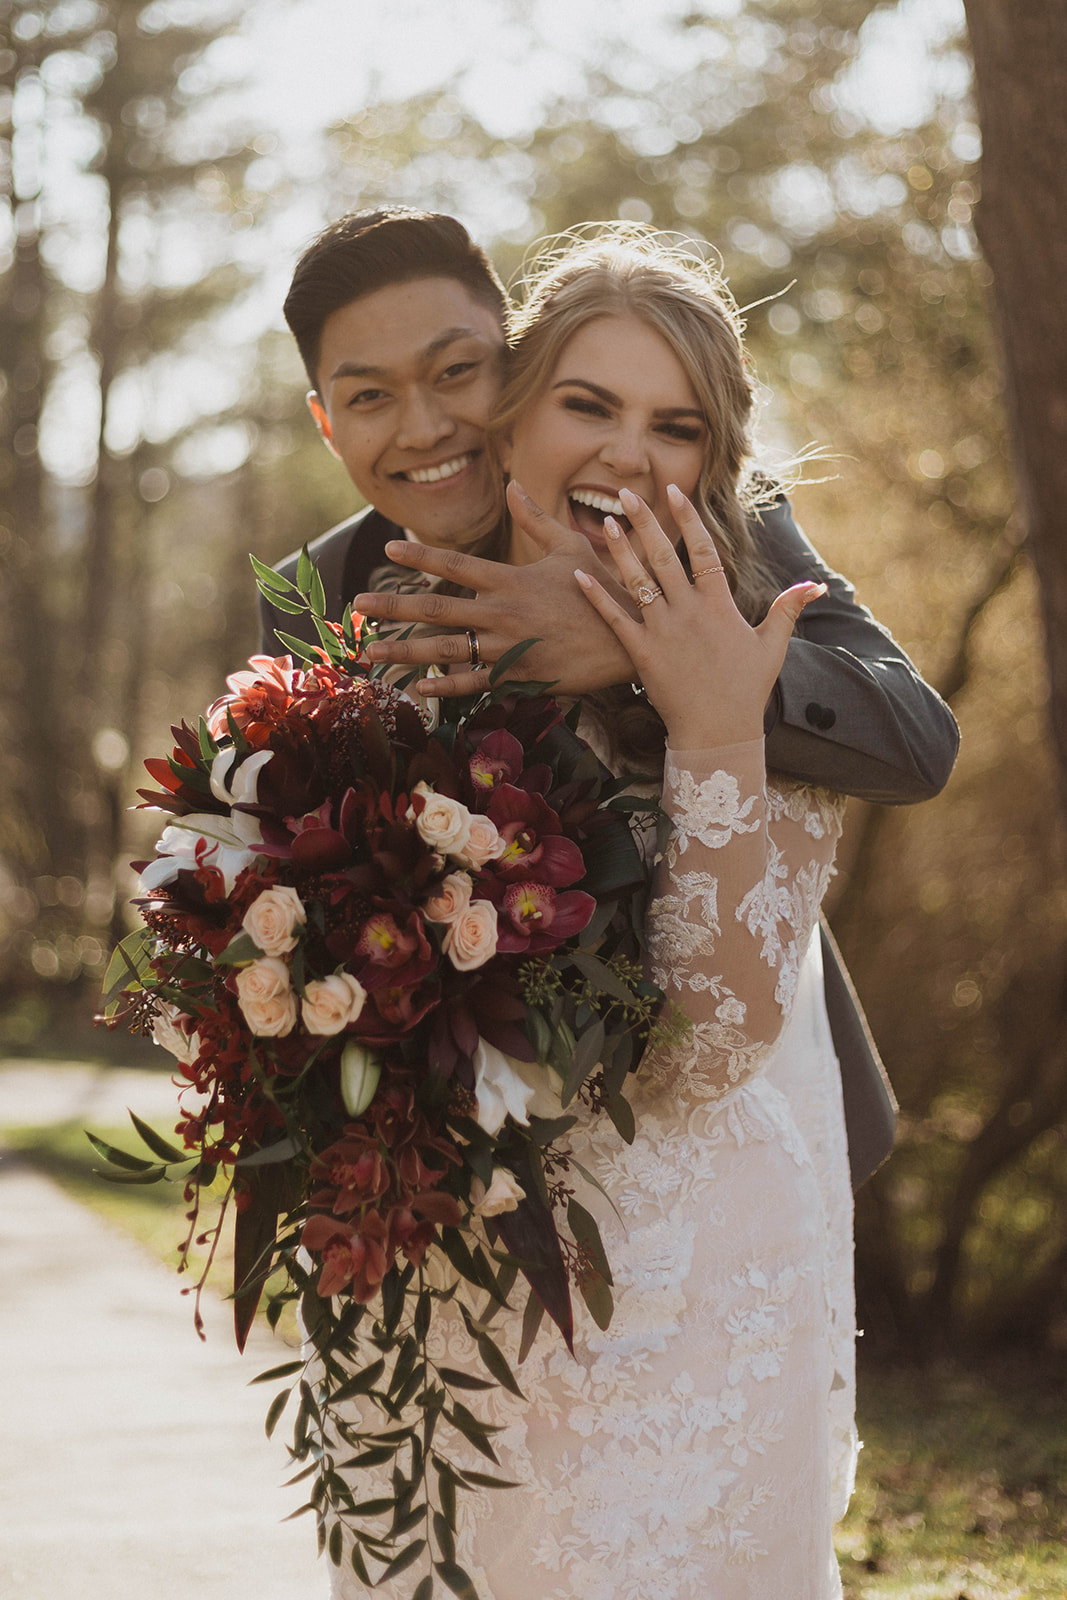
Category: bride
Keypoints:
(701, 1447)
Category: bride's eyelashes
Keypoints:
(680, 432)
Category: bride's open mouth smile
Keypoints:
(589, 507)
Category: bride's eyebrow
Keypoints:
(616, 400)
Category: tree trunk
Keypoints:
(1020, 58)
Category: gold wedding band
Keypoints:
(705, 570)
(475, 653)
(646, 594)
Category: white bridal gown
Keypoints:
(702, 1447)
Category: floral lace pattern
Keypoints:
(702, 1444)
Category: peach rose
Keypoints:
(471, 938)
(443, 823)
(483, 843)
(453, 897)
(272, 919)
(330, 1004)
(266, 999)
(503, 1194)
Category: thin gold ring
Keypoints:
(705, 570)
(647, 593)
(472, 646)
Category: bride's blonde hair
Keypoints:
(622, 269)
(625, 269)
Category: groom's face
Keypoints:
(407, 377)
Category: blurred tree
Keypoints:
(89, 277)
(1020, 56)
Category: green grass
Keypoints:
(962, 1487)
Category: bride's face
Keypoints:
(618, 412)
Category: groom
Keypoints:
(399, 318)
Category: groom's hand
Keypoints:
(576, 651)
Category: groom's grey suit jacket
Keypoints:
(849, 712)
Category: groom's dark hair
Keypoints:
(369, 250)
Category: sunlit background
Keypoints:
(170, 160)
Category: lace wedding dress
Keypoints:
(702, 1447)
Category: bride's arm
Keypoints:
(735, 900)
(736, 893)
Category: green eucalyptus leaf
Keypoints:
(446, 1539)
(602, 976)
(159, 1147)
(587, 1052)
(267, 577)
(120, 1158)
(362, 1383)
(305, 569)
(241, 948)
(621, 1114)
(462, 1380)
(297, 647)
(597, 1296)
(485, 1480)
(496, 1363)
(454, 1578)
(584, 1228)
(129, 961)
(407, 1558)
(277, 1406)
(531, 1322)
(286, 1370)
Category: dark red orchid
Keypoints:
(532, 916)
(535, 847)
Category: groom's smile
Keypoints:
(407, 377)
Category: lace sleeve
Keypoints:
(735, 897)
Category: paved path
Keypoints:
(133, 1463)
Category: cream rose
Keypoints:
(266, 999)
(272, 919)
(270, 1019)
(330, 1004)
(503, 1194)
(483, 843)
(443, 823)
(471, 937)
(452, 898)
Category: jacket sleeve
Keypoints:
(850, 712)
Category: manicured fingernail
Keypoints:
(628, 497)
(675, 495)
(583, 578)
(519, 490)
(612, 529)
(395, 547)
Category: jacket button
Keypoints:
(820, 716)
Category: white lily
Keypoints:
(242, 791)
(500, 1088)
(204, 839)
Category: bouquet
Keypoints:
(389, 958)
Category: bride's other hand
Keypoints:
(706, 671)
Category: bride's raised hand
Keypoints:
(704, 668)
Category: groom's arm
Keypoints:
(849, 711)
